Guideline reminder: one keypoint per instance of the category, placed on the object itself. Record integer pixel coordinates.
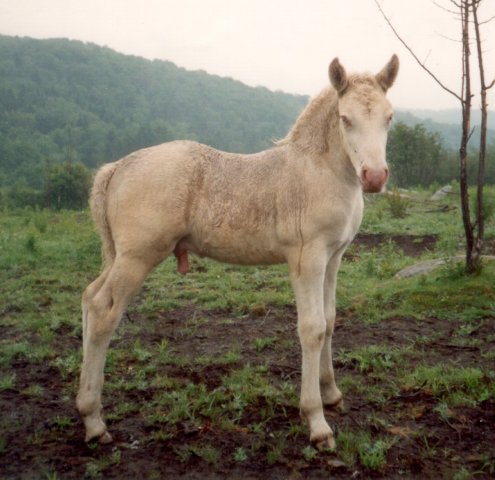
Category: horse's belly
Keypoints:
(242, 248)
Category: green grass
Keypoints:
(47, 259)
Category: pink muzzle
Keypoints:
(373, 180)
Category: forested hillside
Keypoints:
(65, 103)
(64, 100)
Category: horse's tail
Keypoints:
(98, 205)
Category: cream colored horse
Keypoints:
(300, 202)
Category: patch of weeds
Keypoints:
(192, 325)
(162, 435)
(262, 343)
(7, 382)
(40, 220)
(372, 358)
(462, 474)
(240, 455)
(36, 438)
(372, 454)
(206, 452)
(469, 328)
(309, 453)
(454, 385)
(10, 351)
(95, 468)
(122, 409)
(139, 380)
(3, 445)
(62, 423)
(397, 204)
(489, 355)
(348, 445)
(160, 381)
(180, 405)
(140, 353)
(383, 262)
(444, 412)
(165, 355)
(50, 474)
(276, 449)
(31, 243)
(69, 365)
(231, 357)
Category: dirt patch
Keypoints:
(411, 245)
(42, 434)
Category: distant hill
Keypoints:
(448, 124)
(452, 116)
(67, 100)
(63, 100)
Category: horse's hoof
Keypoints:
(325, 443)
(105, 439)
(102, 439)
(335, 404)
(338, 405)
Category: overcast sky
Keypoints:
(281, 44)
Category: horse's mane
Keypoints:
(311, 131)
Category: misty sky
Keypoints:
(281, 44)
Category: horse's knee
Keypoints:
(312, 333)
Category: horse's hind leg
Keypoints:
(104, 302)
(91, 290)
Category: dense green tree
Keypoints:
(417, 157)
(67, 186)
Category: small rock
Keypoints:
(442, 193)
(420, 268)
(428, 266)
(335, 463)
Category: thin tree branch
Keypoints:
(420, 63)
(453, 12)
(487, 21)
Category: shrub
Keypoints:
(397, 204)
(67, 186)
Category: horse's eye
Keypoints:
(390, 118)
(346, 121)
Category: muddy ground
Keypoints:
(37, 445)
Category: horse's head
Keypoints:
(365, 116)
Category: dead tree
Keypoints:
(467, 11)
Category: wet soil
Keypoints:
(410, 245)
(36, 441)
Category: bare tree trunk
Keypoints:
(480, 219)
(466, 127)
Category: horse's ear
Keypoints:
(387, 75)
(338, 77)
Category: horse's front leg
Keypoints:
(307, 273)
(330, 393)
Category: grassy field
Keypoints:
(202, 377)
